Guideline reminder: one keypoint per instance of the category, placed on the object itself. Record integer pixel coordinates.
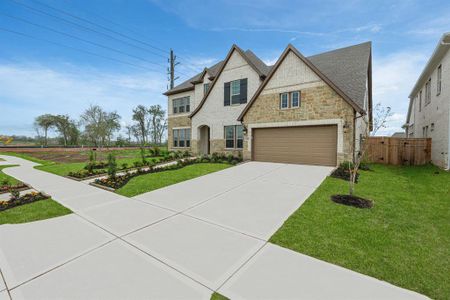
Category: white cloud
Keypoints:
(393, 79)
(28, 90)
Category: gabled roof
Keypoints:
(260, 67)
(250, 58)
(345, 70)
(442, 47)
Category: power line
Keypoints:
(76, 49)
(80, 39)
(83, 27)
(101, 26)
(113, 31)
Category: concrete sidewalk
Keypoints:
(183, 241)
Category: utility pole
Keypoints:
(171, 70)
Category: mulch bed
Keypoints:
(352, 201)
(25, 199)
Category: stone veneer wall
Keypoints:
(175, 122)
(217, 146)
(320, 102)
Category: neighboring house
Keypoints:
(398, 135)
(429, 104)
(311, 110)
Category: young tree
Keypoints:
(44, 122)
(141, 116)
(158, 123)
(380, 119)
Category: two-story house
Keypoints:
(429, 104)
(312, 110)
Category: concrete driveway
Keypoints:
(180, 242)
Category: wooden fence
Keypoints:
(399, 151)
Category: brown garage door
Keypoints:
(314, 145)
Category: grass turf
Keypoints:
(63, 169)
(217, 296)
(4, 177)
(149, 182)
(404, 239)
(39, 210)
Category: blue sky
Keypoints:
(39, 77)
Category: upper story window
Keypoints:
(295, 99)
(439, 80)
(235, 92)
(284, 100)
(290, 100)
(181, 105)
(420, 101)
(428, 92)
(205, 88)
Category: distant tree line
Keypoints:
(99, 128)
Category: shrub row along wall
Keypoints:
(399, 151)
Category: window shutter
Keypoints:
(243, 95)
(226, 94)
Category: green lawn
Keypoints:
(217, 296)
(63, 168)
(3, 176)
(404, 239)
(149, 182)
(39, 210)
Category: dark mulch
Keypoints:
(352, 201)
(344, 174)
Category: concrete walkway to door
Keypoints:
(183, 241)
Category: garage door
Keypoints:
(313, 145)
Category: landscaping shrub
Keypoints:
(112, 165)
(17, 200)
(143, 156)
(120, 180)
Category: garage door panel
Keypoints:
(306, 145)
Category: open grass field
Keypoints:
(149, 182)
(404, 239)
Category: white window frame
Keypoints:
(420, 101)
(235, 137)
(182, 102)
(281, 100)
(292, 99)
(231, 87)
(439, 80)
(176, 132)
(428, 92)
(205, 88)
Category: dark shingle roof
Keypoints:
(347, 68)
(212, 71)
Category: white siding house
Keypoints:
(429, 108)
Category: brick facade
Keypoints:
(317, 103)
